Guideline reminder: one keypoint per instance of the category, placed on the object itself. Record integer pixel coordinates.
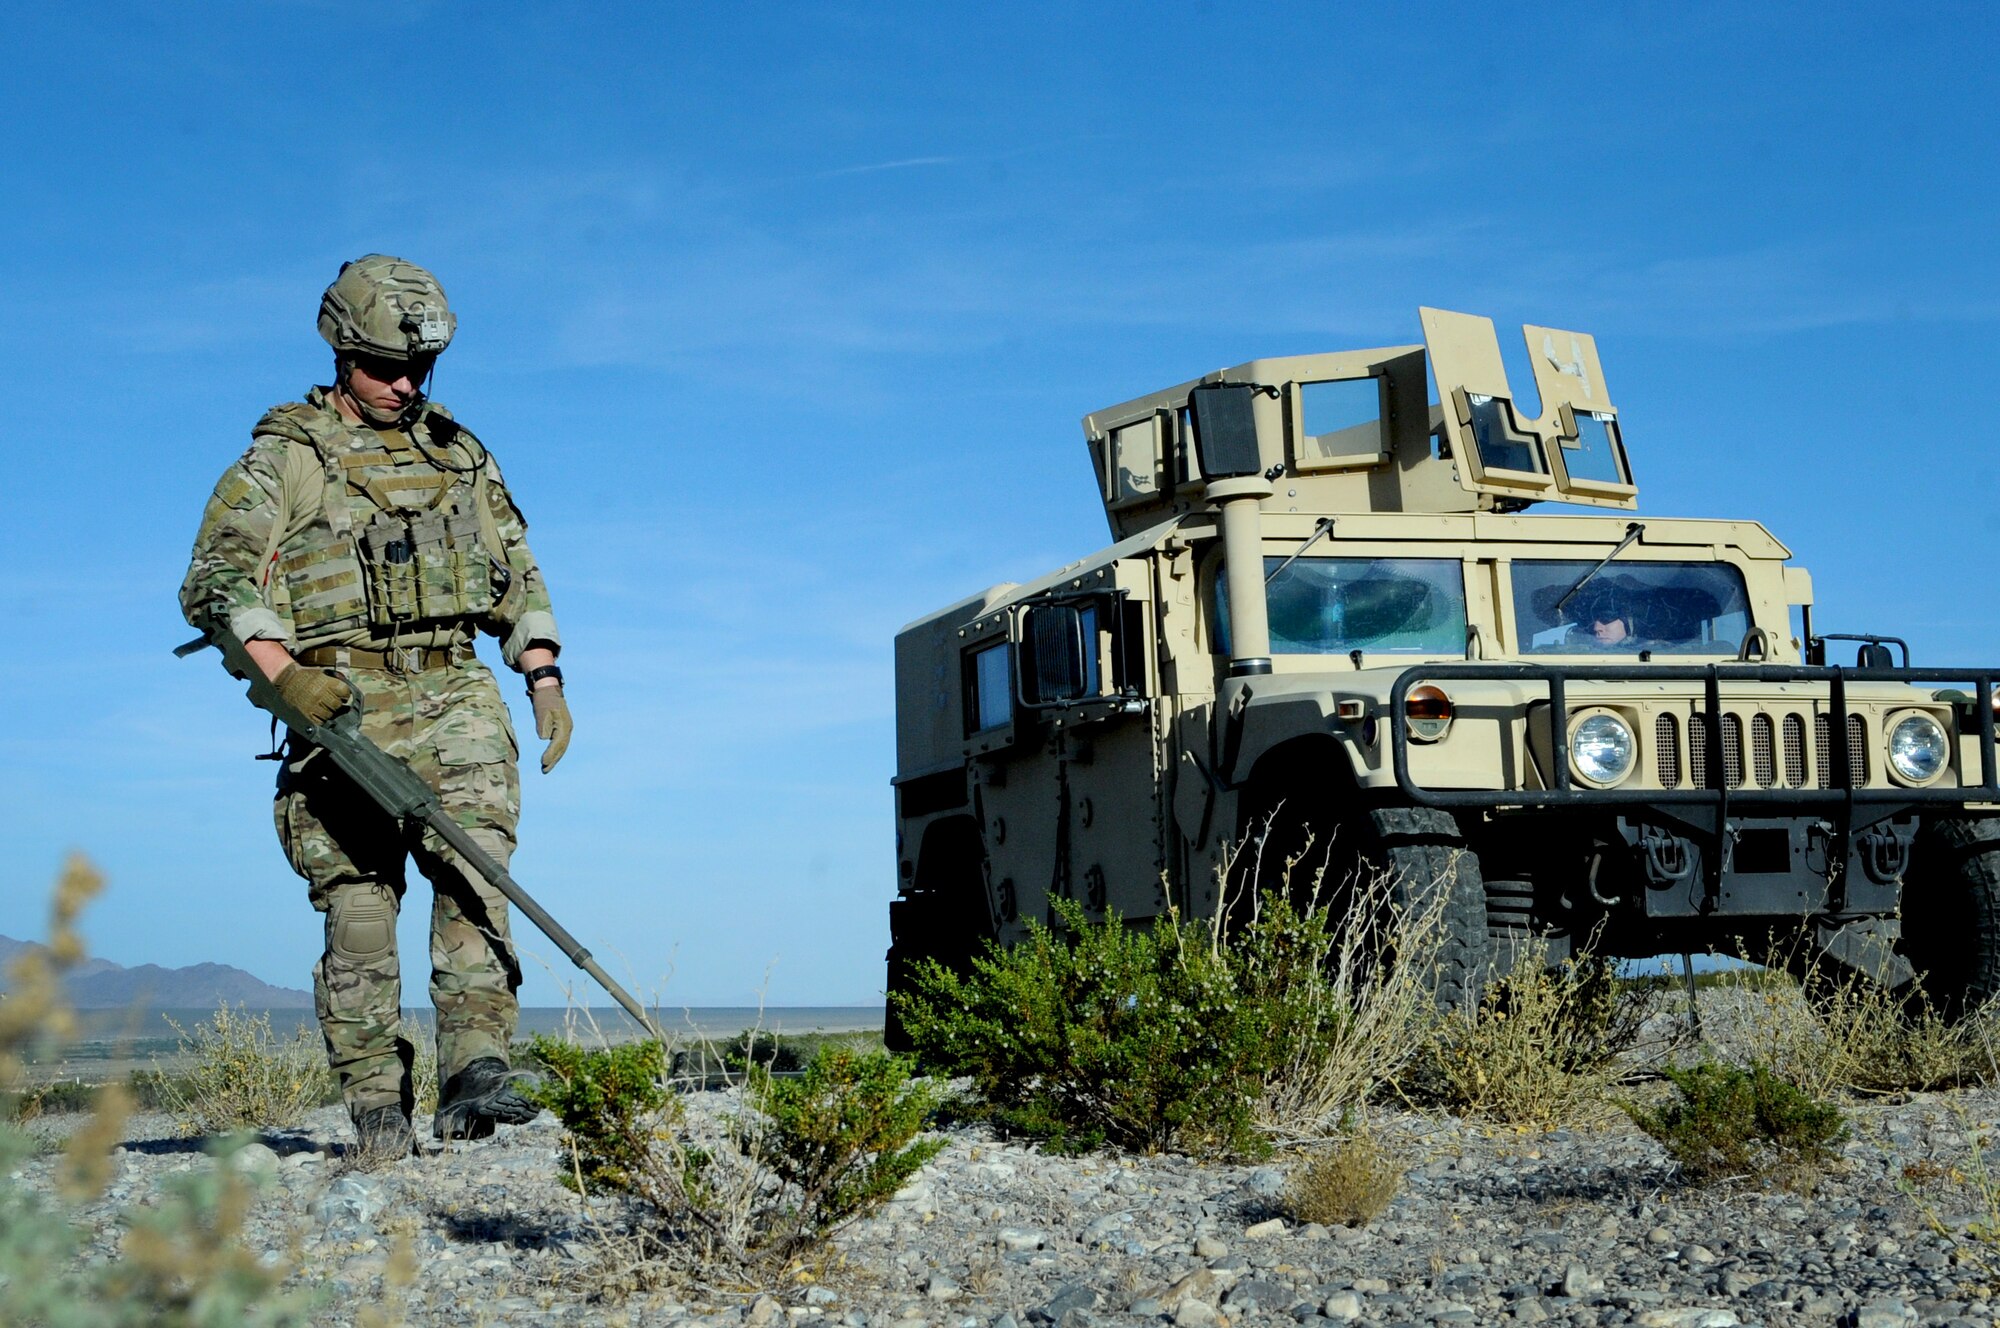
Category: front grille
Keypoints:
(1667, 751)
(1795, 751)
(1857, 750)
(1763, 757)
(1732, 750)
(1777, 750)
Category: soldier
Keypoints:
(357, 548)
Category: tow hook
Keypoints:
(1668, 859)
(1884, 853)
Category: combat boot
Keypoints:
(484, 1094)
(383, 1136)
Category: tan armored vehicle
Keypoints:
(1327, 605)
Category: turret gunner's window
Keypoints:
(1501, 446)
(1627, 607)
(989, 688)
(1330, 606)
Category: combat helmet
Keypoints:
(386, 306)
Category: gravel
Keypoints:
(1580, 1226)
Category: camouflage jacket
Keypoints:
(279, 553)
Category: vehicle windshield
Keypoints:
(1329, 606)
(1664, 608)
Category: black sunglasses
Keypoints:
(388, 371)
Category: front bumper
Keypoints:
(1720, 842)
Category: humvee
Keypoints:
(1329, 611)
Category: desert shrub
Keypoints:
(1842, 1032)
(1541, 1048)
(60, 1097)
(1102, 1034)
(744, 1195)
(1349, 1184)
(237, 1074)
(613, 1104)
(842, 1136)
(1735, 1122)
(182, 1262)
(1203, 1037)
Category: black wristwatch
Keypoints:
(534, 676)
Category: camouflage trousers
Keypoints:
(451, 727)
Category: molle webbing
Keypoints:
(424, 548)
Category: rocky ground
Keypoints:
(1492, 1225)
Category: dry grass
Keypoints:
(1348, 1184)
(240, 1075)
(1366, 1001)
(1848, 1034)
(1540, 1049)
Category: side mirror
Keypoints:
(1875, 655)
(1225, 430)
(1054, 655)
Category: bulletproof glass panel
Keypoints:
(1661, 607)
(1135, 462)
(1596, 454)
(1056, 654)
(1330, 606)
(1501, 447)
(1225, 429)
(989, 688)
(1340, 421)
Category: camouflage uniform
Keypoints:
(283, 554)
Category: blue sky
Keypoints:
(781, 319)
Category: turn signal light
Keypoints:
(1429, 711)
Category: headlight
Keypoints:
(1601, 748)
(1918, 748)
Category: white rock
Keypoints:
(1342, 1306)
(255, 1157)
(1195, 1314)
(1022, 1238)
(1270, 1227)
(1208, 1247)
(1693, 1317)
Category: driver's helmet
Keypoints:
(387, 307)
(1600, 603)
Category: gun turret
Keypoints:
(1357, 431)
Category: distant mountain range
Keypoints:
(99, 984)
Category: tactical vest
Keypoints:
(402, 542)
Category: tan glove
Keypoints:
(552, 721)
(318, 694)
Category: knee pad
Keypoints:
(361, 923)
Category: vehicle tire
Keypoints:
(944, 918)
(1951, 913)
(1422, 851)
(1416, 849)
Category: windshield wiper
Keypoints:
(1633, 530)
(1324, 527)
